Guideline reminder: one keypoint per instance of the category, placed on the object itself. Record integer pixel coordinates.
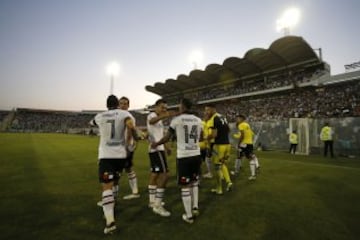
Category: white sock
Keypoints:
(195, 194)
(133, 182)
(256, 161)
(252, 167)
(208, 164)
(115, 190)
(152, 193)
(108, 206)
(186, 198)
(159, 196)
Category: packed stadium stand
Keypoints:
(271, 86)
(335, 100)
(41, 120)
(288, 74)
(38, 120)
(289, 62)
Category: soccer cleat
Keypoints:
(131, 196)
(110, 229)
(229, 186)
(99, 203)
(208, 175)
(187, 219)
(160, 210)
(216, 191)
(252, 178)
(195, 212)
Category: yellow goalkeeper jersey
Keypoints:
(248, 133)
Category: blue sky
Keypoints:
(53, 53)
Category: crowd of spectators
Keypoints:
(49, 121)
(339, 100)
(62, 122)
(248, 86)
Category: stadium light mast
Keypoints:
(195, 58)
(112, 70)
(288, 20)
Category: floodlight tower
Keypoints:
(288, 20)
(113, 70)
(196, 57)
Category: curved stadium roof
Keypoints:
(282, 53)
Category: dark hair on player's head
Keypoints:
(124, 98)
(241, 116)
(160, 101)
(210, 105)
(112, 102)
(186, 103)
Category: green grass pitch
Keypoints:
(49, 190)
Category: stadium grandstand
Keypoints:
(271, 86)
(3, 114)
(46, 120)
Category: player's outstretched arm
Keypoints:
(164, 140)
(162, 116)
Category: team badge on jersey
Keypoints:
(184, 180)
(107, 176)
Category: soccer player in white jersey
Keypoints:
(124, 104)
(112, 153)
(158, 163)
(188, 129)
